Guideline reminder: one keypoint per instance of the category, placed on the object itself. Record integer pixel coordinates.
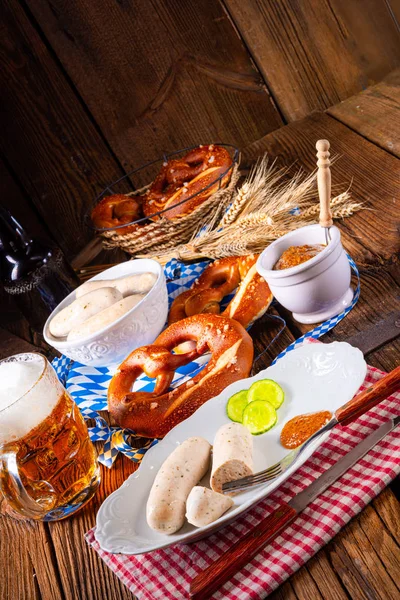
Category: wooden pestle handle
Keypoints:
(324, 183)
(361, 403)
(241, 553)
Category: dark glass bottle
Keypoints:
(37, 275)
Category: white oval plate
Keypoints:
(314, 377)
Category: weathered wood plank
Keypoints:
(387, 507)
(314, 53)
(159, 75)
(352, 580)
(12, 344)
(18, 576)
(284, 592)
(94, 254)
(304, 585)
(375, 113)
(20, 205)
(383, 543)
(379, 297)
(358, 563)
(12, 319)
(394, 6)
(325, 577)
(89, 253)
(48, 137)
(386, 358)
(373, 173)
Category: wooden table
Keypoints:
(52, 561)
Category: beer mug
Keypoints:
(48, 466)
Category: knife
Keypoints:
(372, 338)
(241, 553)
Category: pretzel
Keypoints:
(180, 179)
(116, 210)
(153, 414)
(219, 279)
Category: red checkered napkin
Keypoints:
(166, 574)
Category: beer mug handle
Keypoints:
(14, 490)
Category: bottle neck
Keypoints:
(14, 229)
(20, 255)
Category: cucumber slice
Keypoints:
(259, 416)
(266, 389)
(236, 405)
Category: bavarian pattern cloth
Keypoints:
(88, 385)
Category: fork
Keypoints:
(344, 415)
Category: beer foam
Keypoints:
(17, 378)
(26, 396)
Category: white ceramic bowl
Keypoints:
(138, 327)
(317, 289)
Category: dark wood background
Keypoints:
(91, 90)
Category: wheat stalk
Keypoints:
(267, 205)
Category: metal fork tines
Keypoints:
(250, 480)
(277, 469)
(327, 236)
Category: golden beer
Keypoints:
(51, 471)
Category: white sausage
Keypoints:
(187, 464)
(141, 283)
(232, 455)
(105, 317)
(73, 315)
(204, 506)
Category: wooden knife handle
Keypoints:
(241, 553)
(361, 403)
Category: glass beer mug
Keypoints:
(48, 466)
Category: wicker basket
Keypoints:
(162, 234)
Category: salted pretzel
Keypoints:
(116, 210)
(219, 279)
(153, 414)
(180, 179)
